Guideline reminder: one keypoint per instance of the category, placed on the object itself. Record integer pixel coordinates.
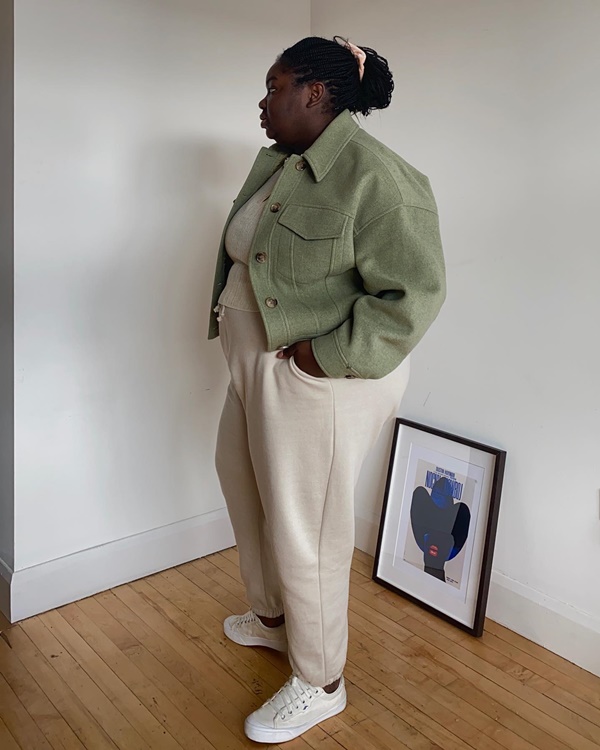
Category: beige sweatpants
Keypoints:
(289, 451)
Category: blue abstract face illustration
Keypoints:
(440, 525)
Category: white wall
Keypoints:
(6, 292)
(497, 103)
(136, 123)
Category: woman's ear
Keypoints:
(317, 94)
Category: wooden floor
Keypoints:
(146, 665)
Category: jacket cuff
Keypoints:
(330, 358)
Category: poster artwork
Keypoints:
(443, 515)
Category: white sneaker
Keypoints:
(294, 709)
(248, 630)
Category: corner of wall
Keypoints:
(5, 584)
(6, 285)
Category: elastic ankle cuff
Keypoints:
(319, 684)
(270, 613)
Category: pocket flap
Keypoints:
(313, 222)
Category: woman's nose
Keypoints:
(263, 103)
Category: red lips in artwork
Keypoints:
(433, 550)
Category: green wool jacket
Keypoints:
(347, 254)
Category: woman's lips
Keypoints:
(263, 122)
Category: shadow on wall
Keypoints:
(159, 382)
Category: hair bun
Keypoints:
(377, 84)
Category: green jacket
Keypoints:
(348, 254)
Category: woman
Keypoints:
(330, 271)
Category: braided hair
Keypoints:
(333, 64)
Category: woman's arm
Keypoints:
(399, 257)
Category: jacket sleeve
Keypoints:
(400, 260)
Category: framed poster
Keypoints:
(438, 524)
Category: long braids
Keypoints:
(317, 59)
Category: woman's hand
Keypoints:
(304, 358)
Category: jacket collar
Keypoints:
(322, 155)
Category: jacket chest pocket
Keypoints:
(309, 240)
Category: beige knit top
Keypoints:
(238, 292)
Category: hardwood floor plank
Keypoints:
(537, 730)
(492, 700)
(507, 720)
(358, 579)
(226, 565)
(392, 627)
(241, 680)
(410, 609)
(443, 692)
(18, 721)
(416, 692)
(411, 654)
(402, 719)
(184, 594)
(245, 664)
(166, 667)
(217, 595)
(566, 698)
(361, 700)
(214, 586)
(390, 611)
(379, 737)
(141, 719)
(578, 686)
(575, 686)
(560, 722)
(553, 660)
(7, 741)
(164, 711)
(318, 739)
(91, 735)
(232, 554)
(38, 706)
(234, 590)
(477, 711)
(362, 566)
(349, 737)
(221, 687)
(103, 710)
(230, 701)
(211, 592)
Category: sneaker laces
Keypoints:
(292, 696)
(247, 618)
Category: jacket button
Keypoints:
(271, 302)
(300, 165)
(275, 207)
(260, 257)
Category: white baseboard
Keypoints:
(67, 579)
(562, 629)
(565, 630)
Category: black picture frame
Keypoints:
(401, 574)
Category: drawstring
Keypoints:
(220, 310)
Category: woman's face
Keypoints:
(285, 109)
